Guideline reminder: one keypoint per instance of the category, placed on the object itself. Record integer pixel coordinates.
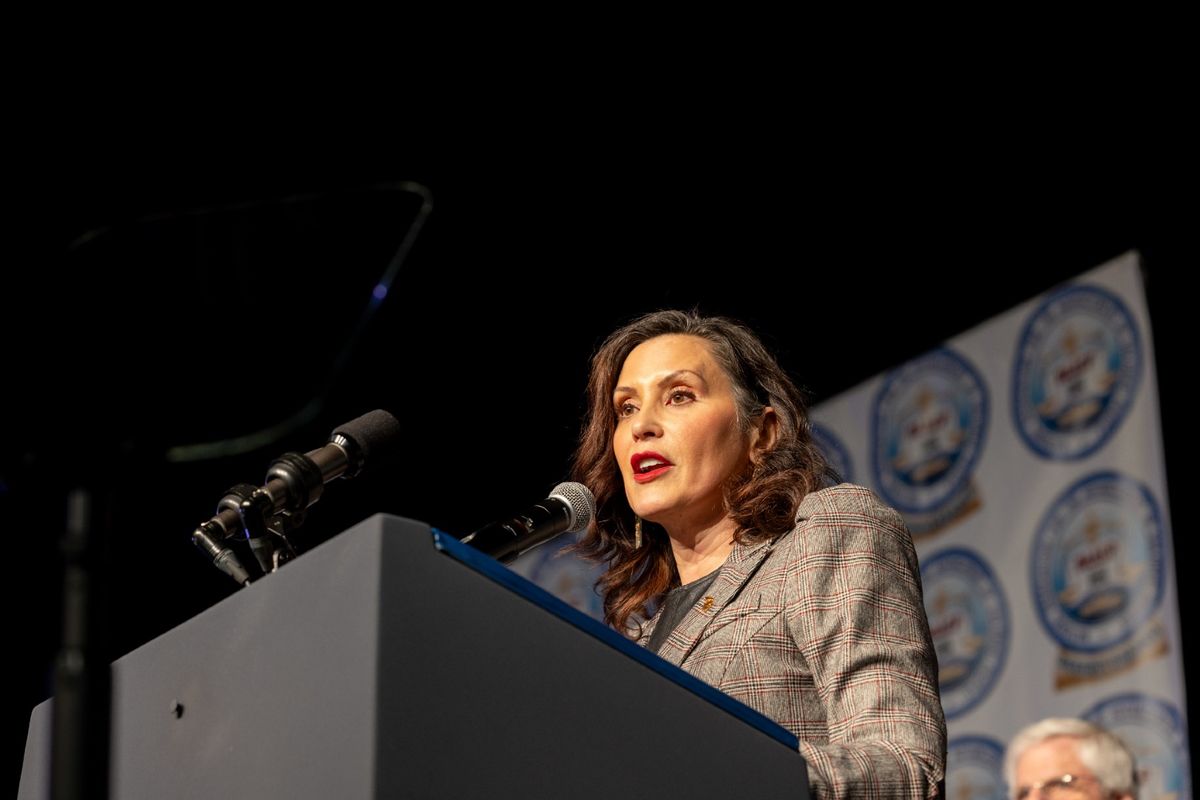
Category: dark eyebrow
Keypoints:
(674, 376)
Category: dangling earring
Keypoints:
(637, 534)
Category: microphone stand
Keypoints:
(79, 751)
(265, 531)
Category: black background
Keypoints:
(227, 266)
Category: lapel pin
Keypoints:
(707, 604)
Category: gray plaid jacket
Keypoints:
(823, 630)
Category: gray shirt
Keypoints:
(675, 607)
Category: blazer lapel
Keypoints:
(648, 627)
(737, 569)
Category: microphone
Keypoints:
(569, 508)
(294, 482)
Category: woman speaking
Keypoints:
(729, 555)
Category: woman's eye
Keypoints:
(681, 396)
(625, 409)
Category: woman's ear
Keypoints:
(764, 434)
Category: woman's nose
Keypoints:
(645, 425)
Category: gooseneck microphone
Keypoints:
(569, 508)
(294, 482)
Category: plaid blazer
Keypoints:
(824, 631)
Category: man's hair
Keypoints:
(1105, 755)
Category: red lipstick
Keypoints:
(644, 472)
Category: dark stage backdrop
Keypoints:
(166, 303)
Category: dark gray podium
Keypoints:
(393, 661)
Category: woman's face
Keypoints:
(677, 438)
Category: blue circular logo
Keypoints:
(1076, 372)
(975, 768)
(564, 575)
(929, 423)
(835, 452)
(1097, 562)
(968, 619)
(1153, 729)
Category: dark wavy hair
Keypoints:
(762, 501)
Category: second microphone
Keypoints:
(569, 508)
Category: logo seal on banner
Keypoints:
(1076, 373)
(968, 618)
(1098, 576)
(564, 575)
(975, 768)
(835, 452)
(928, 426)
(1153, 730)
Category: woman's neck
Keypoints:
(702, 551)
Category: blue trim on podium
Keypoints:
(493, 569)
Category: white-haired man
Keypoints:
(1069, 759)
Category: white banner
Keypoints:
(1026, 456)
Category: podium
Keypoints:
(394, 662)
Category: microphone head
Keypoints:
(581, 502)
(373, 434)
